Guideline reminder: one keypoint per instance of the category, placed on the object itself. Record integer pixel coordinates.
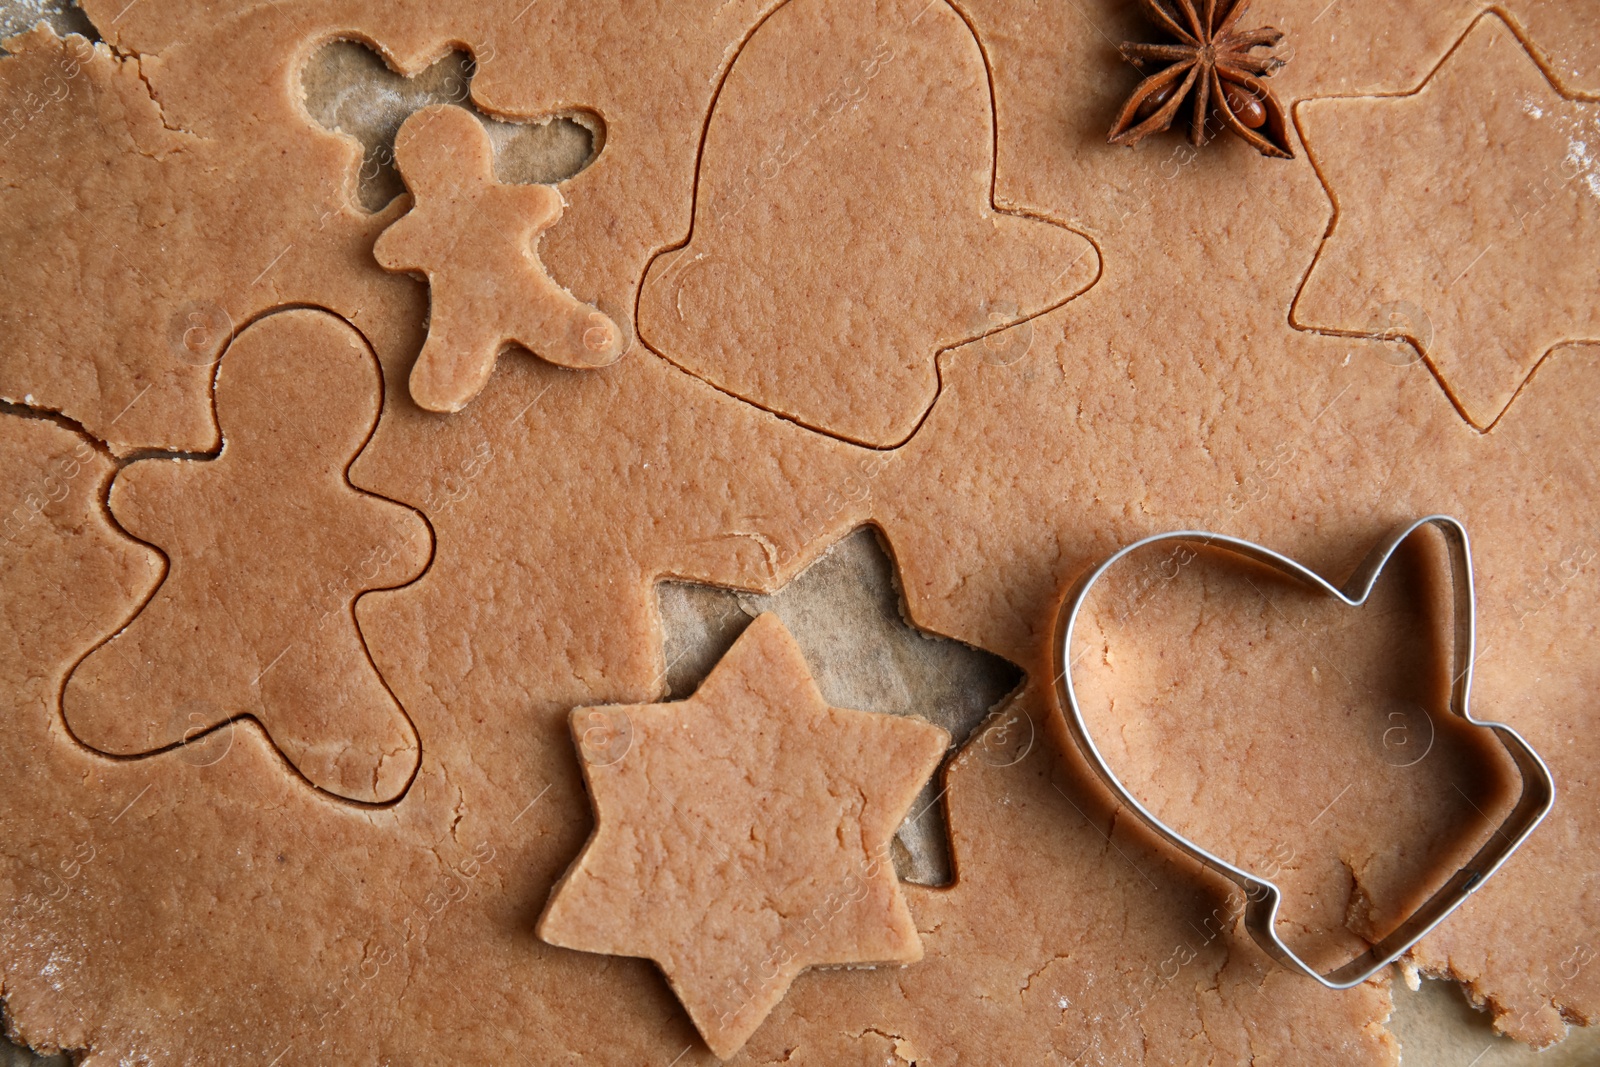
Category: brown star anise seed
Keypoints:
(1213, 62)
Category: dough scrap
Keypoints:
(267, 549)
(742, 835)
(473, 237)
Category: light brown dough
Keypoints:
(266, 200)
(1416, 251)
(1175, 391)
(844, 228)
(1563, 36)
(171, 238)
(1312, 444)
(267, 548)
(742, 835)
(474, 239)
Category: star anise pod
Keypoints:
(1214, 62)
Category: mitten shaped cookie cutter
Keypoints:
(1263, 897)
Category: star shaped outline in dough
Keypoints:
(840, 904)
(1456, 365)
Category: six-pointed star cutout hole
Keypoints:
(1467, 220)
(848, 615)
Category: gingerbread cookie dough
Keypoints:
(167, 186)
(742, 835)
(1412, 253)
(266, 549)
(473, 238)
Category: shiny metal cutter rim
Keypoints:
(1262, 896)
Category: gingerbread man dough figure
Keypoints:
(473, 237)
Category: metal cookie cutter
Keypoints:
(1263, 897)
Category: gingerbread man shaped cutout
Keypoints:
(268, 546)
(473, 237)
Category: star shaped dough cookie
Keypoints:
(1468, 218)
(474, 239)
(742, 835)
